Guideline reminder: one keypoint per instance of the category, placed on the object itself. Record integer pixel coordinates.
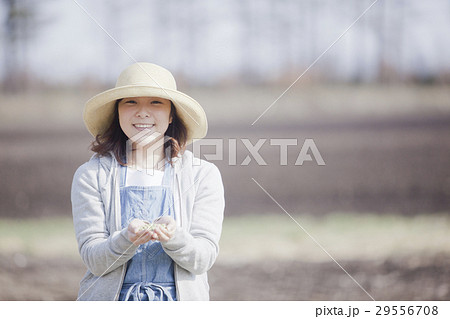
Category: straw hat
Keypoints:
(145, 79)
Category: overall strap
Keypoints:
(168, 175)
(123, 175)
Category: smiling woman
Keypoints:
(134, 115)
(115, 198)
(140, 113)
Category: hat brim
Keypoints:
(99, 110)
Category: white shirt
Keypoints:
(144, 178)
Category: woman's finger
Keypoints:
(162, 237)
(163, 234)
(154, 236)
(169, 223)
(143, 236)
(135, 226)
(171, 228)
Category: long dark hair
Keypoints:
(114, 139)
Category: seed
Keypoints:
(152, 226)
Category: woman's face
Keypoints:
(139, 113)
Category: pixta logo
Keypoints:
(307, 149)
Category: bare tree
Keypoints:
(19, 26)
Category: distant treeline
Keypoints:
(234, 41)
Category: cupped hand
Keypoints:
(137, 232)
(164, 234)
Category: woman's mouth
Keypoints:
(141, 127)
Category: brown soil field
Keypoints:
(405, 279)
(379, 166)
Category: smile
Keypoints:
(143, 126)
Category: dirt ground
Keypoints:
(393, 166)
(383, 280)
(376, 166)
(26, 278)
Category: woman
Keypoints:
(147, 217)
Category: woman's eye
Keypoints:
(156, 102)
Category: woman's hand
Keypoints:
(164, 234)
(137, 232)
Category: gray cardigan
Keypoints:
(104, 247)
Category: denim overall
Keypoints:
(150, 273)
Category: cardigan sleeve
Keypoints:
(197, 249)
(100, 250)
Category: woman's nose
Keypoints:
(142, 112)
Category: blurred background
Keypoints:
(374, 98)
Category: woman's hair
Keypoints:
(114, 139)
